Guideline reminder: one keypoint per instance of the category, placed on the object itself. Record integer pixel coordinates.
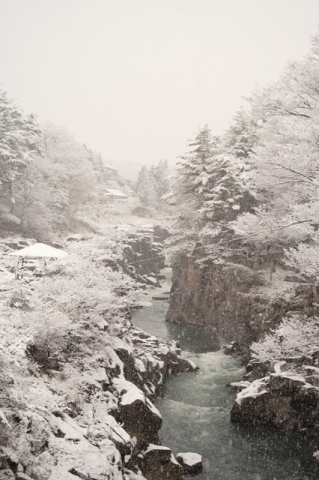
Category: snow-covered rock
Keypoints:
(192, 463)
(284, 400)
(159, 463)
(139, 416)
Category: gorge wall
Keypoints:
(234, 303)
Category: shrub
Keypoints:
(294, 337)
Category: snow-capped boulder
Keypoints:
(139, 416)
(283, 400)
(192, 463)
(158, 463)
(150, 280)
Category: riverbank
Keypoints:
(77, 378)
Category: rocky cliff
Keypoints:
(233, 302)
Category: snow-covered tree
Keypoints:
(55, 184)
(285, 161)
(160, 177)
(19, 146)
(242, 136)
(210, 190)
(146, 188)
(68, 171)
(294, 337)
(193, 179)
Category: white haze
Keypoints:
(135, 79)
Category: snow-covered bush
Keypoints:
(304, 258)
(294, 337)
(85, 290)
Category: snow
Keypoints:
(190, 458)
(133, 395)
(289, 376)
(173, 460)
(131, 392)
(240, 385)
(151, 447)
(100, 375)
(113, 359)
(153, 408)
(254, 390)
(113, 192)
(3, 418)
(139, 365)
(40, 250)
(278, 365)
(134, 476)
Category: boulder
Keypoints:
(192, 463)
(139, 416)
(158, 463)
(282, 400)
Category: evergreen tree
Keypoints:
(159, 176)
(211, 191)
(193, 178)
(145, 188)
(241, 137)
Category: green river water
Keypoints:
(196, 409)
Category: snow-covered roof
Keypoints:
(112, 192)
(40, 250)
(110, 167)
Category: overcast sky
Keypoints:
(135, 79)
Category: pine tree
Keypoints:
(159, 175)
(146, 188)
(193, 177)
(242, 135)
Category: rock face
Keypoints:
(236, 303)
(144, 253)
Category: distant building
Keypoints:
(109, 167)
(115, 194)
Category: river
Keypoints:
(196, 409)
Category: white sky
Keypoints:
(136, 79)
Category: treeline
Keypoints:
(45, 175)
(254, 190)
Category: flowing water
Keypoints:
(196, 410)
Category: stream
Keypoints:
(196, 410)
